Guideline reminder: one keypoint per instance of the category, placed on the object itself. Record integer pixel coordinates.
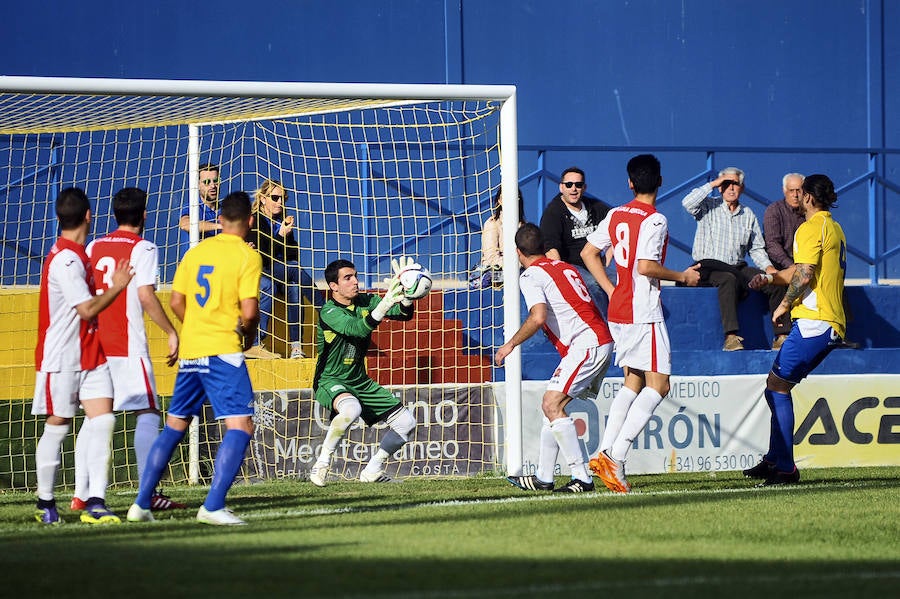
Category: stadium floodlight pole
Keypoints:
(509, 185)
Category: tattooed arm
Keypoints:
(799, 283)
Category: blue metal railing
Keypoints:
(874, 255)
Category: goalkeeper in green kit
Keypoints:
(341, 383)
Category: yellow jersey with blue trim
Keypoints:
(820, 241)
(214, 276)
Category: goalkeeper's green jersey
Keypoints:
(343, 337)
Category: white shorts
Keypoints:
(59, 393)
(134, 385)
(642, 346)
(581, 370)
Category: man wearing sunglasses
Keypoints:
(567, 221)
(726, 232)
(208, 185)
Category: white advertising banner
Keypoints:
(721, 423)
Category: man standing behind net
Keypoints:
(638, 235)
(341, 383)
(71, 368)
(216, 287)
(559, 303)
(209, 225)
(124, 338)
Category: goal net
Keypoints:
(368, 172)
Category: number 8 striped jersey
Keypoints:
(636, 231)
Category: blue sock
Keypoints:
(782, 442)
(157, 461)
(229, 458)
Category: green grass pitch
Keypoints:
(695, 535)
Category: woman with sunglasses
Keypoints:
(272, 233)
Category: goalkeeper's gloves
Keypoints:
(401, 264)
(398, 266)
(392, 296)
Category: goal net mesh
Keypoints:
(365, 180)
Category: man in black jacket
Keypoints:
(567, 221)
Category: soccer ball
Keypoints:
(416, 281)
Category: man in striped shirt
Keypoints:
(726, 232)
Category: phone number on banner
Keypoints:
(710, 463)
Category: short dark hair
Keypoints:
(208, 166)
(72, 206)
(334, 267)
(129, 205)
(236, 206)
(644, 173)
(530, 240)
(572, 169)
(821, 188)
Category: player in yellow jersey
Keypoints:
(215, 294)
(815, 299)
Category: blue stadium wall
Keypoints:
(766, 85)
(809, 76)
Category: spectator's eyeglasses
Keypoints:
(728, 183)
(276, 198)
(210, 181)
(577, 184)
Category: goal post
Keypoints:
(370, 171)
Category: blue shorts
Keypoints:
(800, 355)
(223, 380)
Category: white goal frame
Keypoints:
(503, 94)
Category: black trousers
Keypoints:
(732, 287)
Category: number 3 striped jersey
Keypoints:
(636, 231)
(121, 325)
(572, 318)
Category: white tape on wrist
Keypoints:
(769, 278)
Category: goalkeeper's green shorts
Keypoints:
(376, 401)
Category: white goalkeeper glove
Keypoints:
(392, 296)
(398, 266)
(401, 264)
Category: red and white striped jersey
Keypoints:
(66, 342)
(572, 318)
(121, 325)
(636, 231)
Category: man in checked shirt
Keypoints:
(726, 232)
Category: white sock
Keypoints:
(567, 438)
(46, 458)
(98, 453)
(376, 464)
(618, 410)
(82, 440)
(638, 417)
(146, 430)
(348, 410)
(548, 454)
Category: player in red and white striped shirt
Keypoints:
(638, 235)
(123, 336)
(71, 367)
(559, 303)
